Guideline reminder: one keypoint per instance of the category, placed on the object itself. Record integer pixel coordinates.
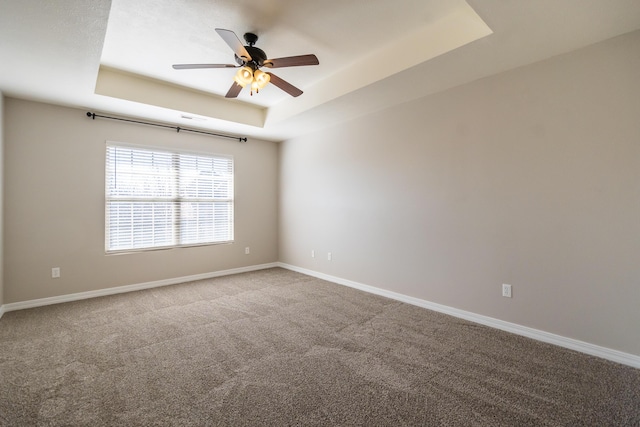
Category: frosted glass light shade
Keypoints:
(244, 76)
(261, 78)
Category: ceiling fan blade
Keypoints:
(285, 86)
(194, 66)
(292, 61)
(234, 91)
(234, 43)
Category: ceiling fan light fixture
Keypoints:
(251, 59)
(244, 76)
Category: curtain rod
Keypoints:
(177, 128)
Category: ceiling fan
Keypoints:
(250, 59)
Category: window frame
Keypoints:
(176, 199)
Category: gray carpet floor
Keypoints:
(277, 348)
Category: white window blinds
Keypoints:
(158, 199)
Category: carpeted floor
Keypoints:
(277, 348)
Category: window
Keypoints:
(159, 199)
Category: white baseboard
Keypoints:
(570, 343)
(128, 288)
(2, 310)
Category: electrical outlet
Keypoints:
(55, 272)
(313, 253)
(247, 251)
(506, 291)
(329, 256)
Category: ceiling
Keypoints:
(115, 56)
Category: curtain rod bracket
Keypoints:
(177, 128)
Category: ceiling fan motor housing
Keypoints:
(257, 57)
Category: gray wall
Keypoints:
(1, 199)
(54, 204)
(530, 177)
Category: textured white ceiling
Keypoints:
(147, 36)
(345, 66)
(53, 51)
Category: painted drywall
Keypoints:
(54, 204)
(1, 201)
(530, 178)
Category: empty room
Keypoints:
(227, 213)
